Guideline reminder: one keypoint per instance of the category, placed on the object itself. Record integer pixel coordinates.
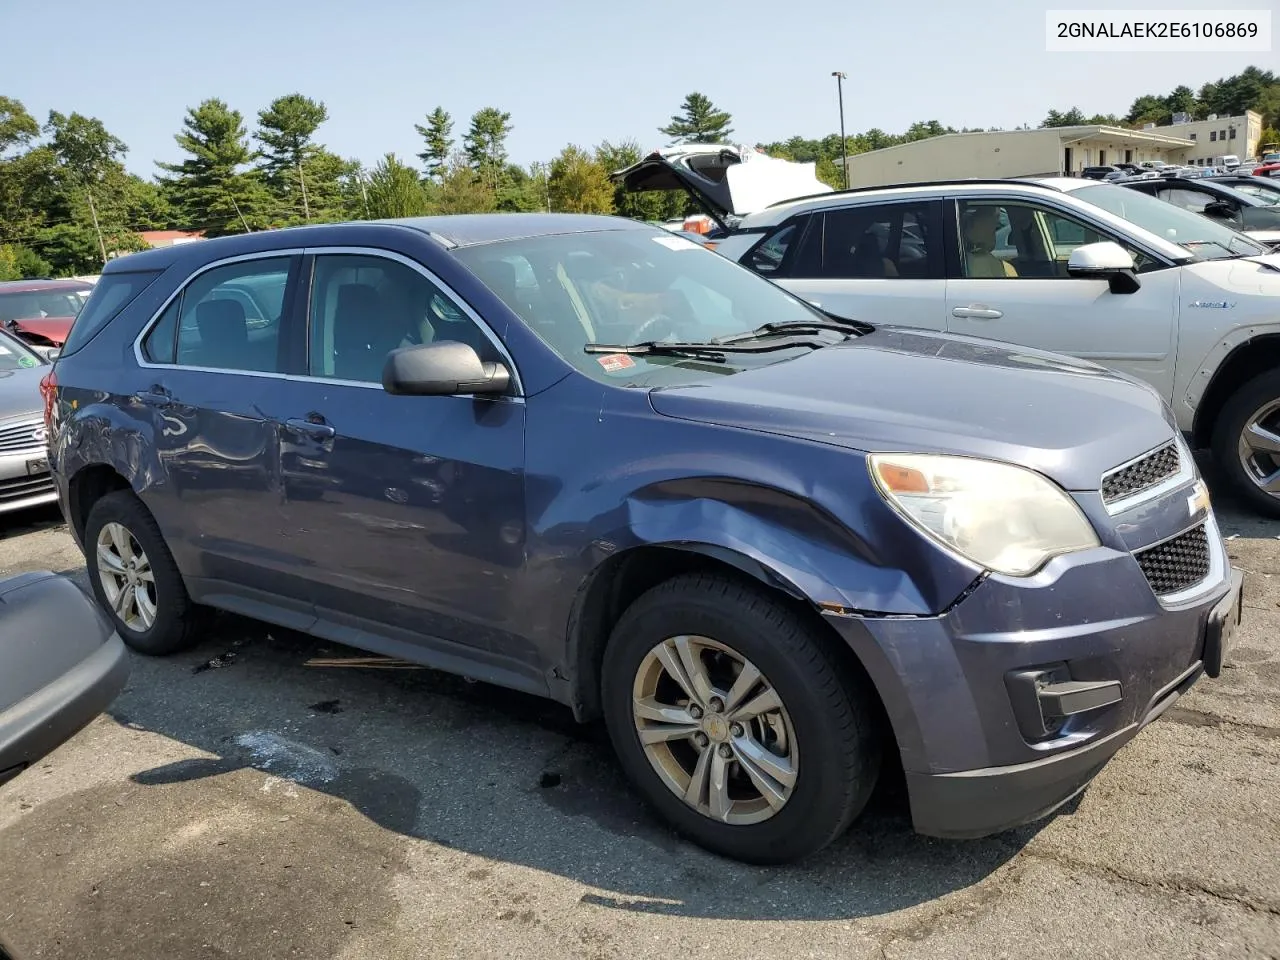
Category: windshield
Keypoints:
(35, 304)
(15, 355)
(1197, 234)
(631, 286)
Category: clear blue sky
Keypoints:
(569, 70)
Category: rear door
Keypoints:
(407, 513)
(883, 263)
(1007, 280)
(208, 370)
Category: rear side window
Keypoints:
(900, 240)
(113, 292)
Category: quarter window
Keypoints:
(365, 306)
(900, 240)
(227, 318)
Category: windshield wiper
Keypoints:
(707, 349)
(784, 327)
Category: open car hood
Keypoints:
(725, 180)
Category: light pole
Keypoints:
(844, 146)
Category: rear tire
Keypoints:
(822, 740)
(1257, 403)
(135, 579)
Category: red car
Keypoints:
(41, 311)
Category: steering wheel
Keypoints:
(644, 331)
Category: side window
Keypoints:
(1192, 200)
(1008, 240)
(161, 344)
(365, 306)
(767, 258)
(214, 328)
(900, 240)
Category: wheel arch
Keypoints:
(623, 577)
(1246, 361)
(87, 486)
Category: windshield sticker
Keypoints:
(615, 362)
(25, 361)
(676, 243)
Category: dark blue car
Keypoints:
(584, 458)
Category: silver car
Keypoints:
(24, 454)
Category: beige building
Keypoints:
(1218, 137)
(1049, 151)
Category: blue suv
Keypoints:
(588, 459)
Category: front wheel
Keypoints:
(1246, 442)
(729, 713)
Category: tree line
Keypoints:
(67, 202)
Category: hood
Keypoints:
(53, 329)
(20, 392)
(725, 180)
(903, 390)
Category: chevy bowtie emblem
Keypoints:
(1199, 499)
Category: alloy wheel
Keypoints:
(1259, 448)
(715, 730)
(128, 581)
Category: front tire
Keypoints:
(1246, 442)
(135, 579)
(736, 722)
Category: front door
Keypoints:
(208, 362)
(882, 263)
(408, 512)
(1008, 281)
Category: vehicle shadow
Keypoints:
(508, 777)
(34, 520)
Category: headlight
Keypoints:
(1002, 517)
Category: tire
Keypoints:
(827, 719)
(174, 622)
(1236, 414)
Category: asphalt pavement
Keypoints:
(271, 796)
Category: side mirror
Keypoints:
(1105, 260)
(443, 369)
(49, 353)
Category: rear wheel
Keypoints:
(1246, 442)
(134, 577)
(729, 713)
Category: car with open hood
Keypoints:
(1100, 271)
(586, 459)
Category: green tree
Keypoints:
(486, 144)
(305, 189)
(1071, 118)
(214, 189)
(17, 127)
(1183, 100)
(579, 184)
(19, 263)
(462, 190)
(651, 205)
(394, 190)
(437, 137)
(699, 121)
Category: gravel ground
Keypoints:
(272, 806)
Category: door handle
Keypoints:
(976, 312)
(155, 396)
(318, 430)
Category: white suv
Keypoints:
(1070, 265)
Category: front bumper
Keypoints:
(25, 481)
(978, 758)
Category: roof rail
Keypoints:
(1029, 181)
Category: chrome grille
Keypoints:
(22, 437)
(1178, 563)
(23, 487)
(1155, 467)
